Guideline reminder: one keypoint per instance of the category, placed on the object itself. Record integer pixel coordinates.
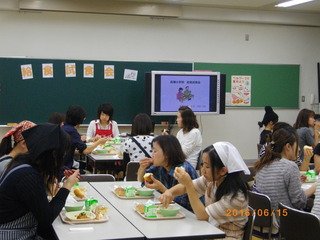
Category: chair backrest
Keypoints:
(248, 178)
(97, 178)
(132, 170)
(126, 160)
(296, 224)
(261, 203)
(249, 226)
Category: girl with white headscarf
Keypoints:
(226, 201)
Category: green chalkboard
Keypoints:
(35, 99)
(274, 85)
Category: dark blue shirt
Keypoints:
(75, 143)
(168, 180)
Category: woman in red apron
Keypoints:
(104, 126)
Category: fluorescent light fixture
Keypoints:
(292, 3)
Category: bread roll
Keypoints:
(140, 208)
(307, 147)
(120, 191)
(78, 193)
(180, 168)
(147, 177)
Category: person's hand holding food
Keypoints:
(308, 151)
(155, 184)
(72, 180)
(145, 162)
(182, 176)
(166, 198)
(102, 140)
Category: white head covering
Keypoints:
(231, 157)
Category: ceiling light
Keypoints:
(292, 3)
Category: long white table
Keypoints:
(185, 228)
(112, 229)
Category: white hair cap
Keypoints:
(231, 157)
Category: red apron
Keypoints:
(104, 132)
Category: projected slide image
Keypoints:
(182, 90)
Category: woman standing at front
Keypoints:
(104, 126)
(189, 135)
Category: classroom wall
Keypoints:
(129, 38)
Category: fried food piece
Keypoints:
(78, 193)
(82, 215)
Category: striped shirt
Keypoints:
(280, 180)
(228, 215)
(316, 204)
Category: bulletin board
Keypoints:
(273, 85)
(37, 98)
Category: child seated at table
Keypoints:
(139, 145)
(226, 200)
(104, 126)
(25, 212)
(11, 149)
(277, 175)
(74, 117)
(166, 156)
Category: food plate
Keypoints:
(105, 150)
(74, 215)
(65, 219)
(160, 217)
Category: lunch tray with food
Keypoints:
(140, 208)
(105, 150)
(121, 192)
(65, 219)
